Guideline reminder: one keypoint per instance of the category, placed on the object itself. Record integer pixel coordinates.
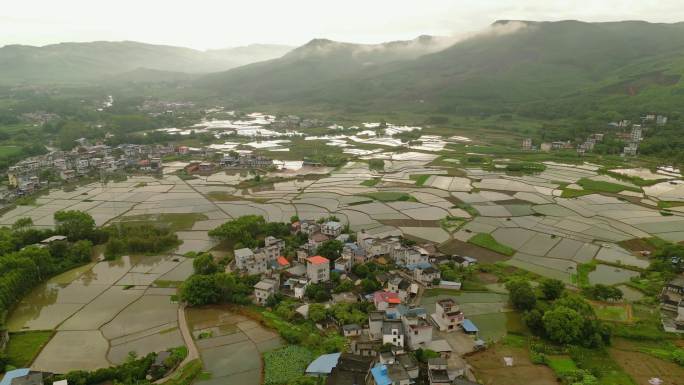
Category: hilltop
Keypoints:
(95, 61)
(514, 66)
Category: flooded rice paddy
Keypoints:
(113, 307)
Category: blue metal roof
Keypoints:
(323, 364)
(12, 374)
(469, 326)
(380, 375)
(420, 265)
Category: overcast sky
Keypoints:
(206, 24)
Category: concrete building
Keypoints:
(318, 269)
(331, 228)
(527, 144)
(264, 289)
(448, 317)
(393, 333)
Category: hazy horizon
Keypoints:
(210, 26)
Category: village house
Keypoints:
(250, 262)
(309, 227)
(672, 300)
(448, 317)
(463, 261)
(384, 300)
(418, 331)
(393, 374)
(353, 252)
(318, 269)
(403, 287)
(374, 246)
(264, 289)
(331, 228)
(375, 320)
(315, 241)
(351, 330)
(343, 263)
(393, 333)
(426, 275)
(409, 256)
(410, 364)
(526, 144)
(350, 370)
(437, 372)
(365, 346)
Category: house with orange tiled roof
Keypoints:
(384, 300)
(318, 269)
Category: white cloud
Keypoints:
(221, 23)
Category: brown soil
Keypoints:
(483, 255)
(637, 245)
(490, 369)
(487, 277)
(642, 367)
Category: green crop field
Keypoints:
(488, 242)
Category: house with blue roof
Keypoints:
(393, 374)
(323, 365)
(12, 374)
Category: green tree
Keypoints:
(200, 290)
(317, 312)
(330, 249)
(563, 325)
(204, 264)
(552, 288)
(22, 224)
(76, 225)
(521, 294)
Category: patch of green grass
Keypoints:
(607, 187)
(175, 221)
(26, 201)
(23, 347)
(391, 196)
(468, 208)
(669, 204)
(284, 365)
(451, 223)
(9, 151)
(370, 182)
(561, 364)
(165, 284)
(611, 312)
(599, 363)
(581, 278)
(420, 178)
(488, 242)
(224, 196)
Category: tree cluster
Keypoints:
(134, 238)
(563, 318)
(24, 265)
(249, 231)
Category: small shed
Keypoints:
(469, 327)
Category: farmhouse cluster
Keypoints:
(378, 348)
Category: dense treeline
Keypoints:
(134, 371)
(210, 285)
(23, 264)
(124, 238)
(559, 316)
(250, 231)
